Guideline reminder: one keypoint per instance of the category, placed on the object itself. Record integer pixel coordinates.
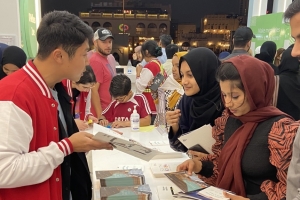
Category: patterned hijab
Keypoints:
(259, 92)
(173, 99)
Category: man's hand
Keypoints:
(190, 166)
(83, 142)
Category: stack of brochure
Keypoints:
(141, 192)
(120, 177)
(123, 185)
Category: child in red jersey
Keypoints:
(119, 110)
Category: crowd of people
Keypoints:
(250, 101)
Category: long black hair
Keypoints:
(88, 76)
(152, 48)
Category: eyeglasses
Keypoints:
(122, 98)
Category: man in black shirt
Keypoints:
(241, 41)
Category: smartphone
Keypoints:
(157, 81)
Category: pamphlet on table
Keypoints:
(130, 146)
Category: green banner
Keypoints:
(271, 27)
(28, 27)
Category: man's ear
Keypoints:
(57, 55)
(249, 43)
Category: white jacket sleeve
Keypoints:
(18, 166)
(143, 80)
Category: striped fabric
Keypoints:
(280, 142)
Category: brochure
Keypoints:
(130, 146)
(199, 140)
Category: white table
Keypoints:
(111, 160)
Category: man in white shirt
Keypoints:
(164, 40)
(171, 49)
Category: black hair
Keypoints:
(171, 49)
(240, 43)
(165, 40)
(292, 10)
(228, 72)
(88, 76)
(152, 48)
(120, 85)
(61, 29)
(185, 44)
(116, 56)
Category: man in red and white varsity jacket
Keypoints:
(40, 148)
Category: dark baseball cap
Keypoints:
(243, 33)
(102, 34)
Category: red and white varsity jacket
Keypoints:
(30, 150)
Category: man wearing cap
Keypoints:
(103, 70)
(241, 41)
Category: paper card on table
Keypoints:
(160, 167)
(213, 193)
(200, 139)
(130, 147)
(157, 143)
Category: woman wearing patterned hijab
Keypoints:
(254, 140)
(170, 92)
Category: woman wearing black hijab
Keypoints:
(267, 54)
(13, 59)
(289, 85)
(201, 103)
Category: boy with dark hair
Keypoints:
(118, 112)
(164, 41)
(171, 49)
(41, 150)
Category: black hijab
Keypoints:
(206, 104)
(267, 54)
(289, 85)
(12, 55)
